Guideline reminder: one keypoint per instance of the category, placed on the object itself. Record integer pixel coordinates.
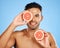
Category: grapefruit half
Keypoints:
(27, 16)
(39, 35)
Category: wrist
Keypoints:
(13, 25)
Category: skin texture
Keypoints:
(5, 36)
(25, 38)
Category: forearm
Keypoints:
(6, 35)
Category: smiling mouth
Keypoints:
(33, 23)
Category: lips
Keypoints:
(33, 23)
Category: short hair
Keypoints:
(33, 5)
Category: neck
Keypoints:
(31, 32)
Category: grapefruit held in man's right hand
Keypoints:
(27, 16)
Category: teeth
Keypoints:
(33, 23)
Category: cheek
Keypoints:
(38, 19)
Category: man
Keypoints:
(25, 38)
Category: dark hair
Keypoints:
(33, 5)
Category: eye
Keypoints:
(37, 15)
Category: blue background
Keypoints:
(51, 12)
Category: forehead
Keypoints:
(34, 10)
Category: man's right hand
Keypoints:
(18, 21)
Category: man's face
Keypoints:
(34, 23)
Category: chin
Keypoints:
(33, 27)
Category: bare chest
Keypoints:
(26, 43)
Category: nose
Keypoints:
(33, 19)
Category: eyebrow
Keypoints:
(38, 14)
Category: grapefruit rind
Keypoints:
(29, 13)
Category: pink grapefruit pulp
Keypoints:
(27, 16)
(39, 35)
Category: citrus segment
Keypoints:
(27, 16)
(39, 35)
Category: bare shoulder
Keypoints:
(50, 36)
(19, 33)
(52, 40)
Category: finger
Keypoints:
(21, 23)
(41, 43)
(25, 22)
(45, 34)
(20, 15)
